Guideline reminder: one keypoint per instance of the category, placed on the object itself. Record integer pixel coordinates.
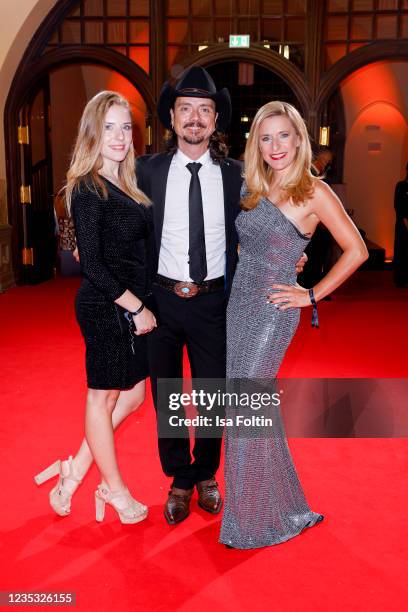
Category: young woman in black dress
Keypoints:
(112, 222)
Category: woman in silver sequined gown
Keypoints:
(264, 502)
(268, 506)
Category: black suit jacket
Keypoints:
(152, 172)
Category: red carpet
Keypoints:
(355, 560)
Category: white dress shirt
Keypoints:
(173, 256)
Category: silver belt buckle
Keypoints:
(185, 289)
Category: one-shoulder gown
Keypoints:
(264, 500)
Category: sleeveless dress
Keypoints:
(264, 500)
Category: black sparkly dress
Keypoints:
(112, 238)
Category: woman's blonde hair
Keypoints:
(298, 184)
(87, 159)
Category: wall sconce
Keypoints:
(266, 44)
(284, 50)
(244, 119)
(324, 136)
(202, 47)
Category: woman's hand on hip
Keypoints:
(289, 296)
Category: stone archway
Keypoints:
(33, 68)
(264, 57)
(392, 50)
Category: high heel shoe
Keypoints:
(132, 512)
(60, 496)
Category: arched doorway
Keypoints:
(250, 86)
(49, 118)
(76, 37)
(376, 146)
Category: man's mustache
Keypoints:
(194, 124)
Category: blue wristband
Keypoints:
(315, 318)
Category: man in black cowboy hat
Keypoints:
(195, 190)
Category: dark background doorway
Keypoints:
(248, 98)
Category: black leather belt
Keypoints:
(185, 289)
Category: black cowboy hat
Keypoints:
(195, 83)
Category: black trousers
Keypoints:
(199, 324)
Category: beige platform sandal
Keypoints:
(60, 496)
(129, 510)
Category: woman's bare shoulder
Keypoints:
(323, 195)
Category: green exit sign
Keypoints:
(239, 40)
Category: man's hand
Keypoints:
(75, 255)
(301, 263)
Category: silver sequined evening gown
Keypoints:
(264, 500)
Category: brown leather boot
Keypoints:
(209, 497)
(177, 506)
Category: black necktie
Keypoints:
(196, 250)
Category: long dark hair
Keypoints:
(218, 144)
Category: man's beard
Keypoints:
(193, 139)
